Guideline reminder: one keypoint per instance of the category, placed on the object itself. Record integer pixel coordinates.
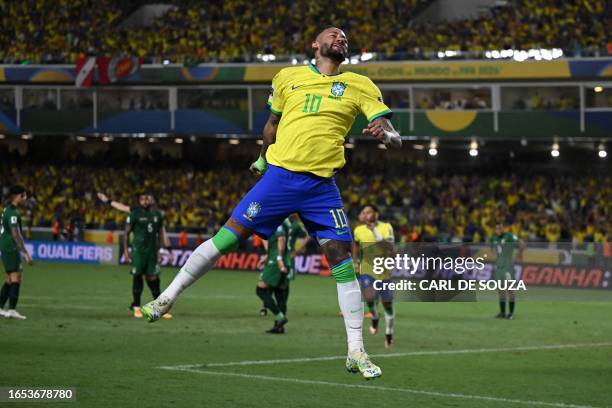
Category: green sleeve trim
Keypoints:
(386, 112)
(274, 111)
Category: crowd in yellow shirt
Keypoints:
(237, 30)
(420, 206)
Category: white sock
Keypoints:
(199, 262)
(389, 318)
(349, 298)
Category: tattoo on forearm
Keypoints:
(18, 239)
(385, 124)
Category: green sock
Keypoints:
(344, 272)
(279, 316)
(225, 240)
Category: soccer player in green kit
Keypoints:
(273, 285)
(149, 234)
(504, 244)
(13, 248)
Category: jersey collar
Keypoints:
(316, 71)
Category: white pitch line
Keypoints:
(386, 355)
(387, 389)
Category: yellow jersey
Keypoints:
(317, 111)
(370, 247)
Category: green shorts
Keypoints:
(273, 277)
(11, 260)
(504, 272)
(144, 263)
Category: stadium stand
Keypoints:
(426, 206)
(51, 32)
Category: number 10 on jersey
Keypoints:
(314, 101)
(339, 218)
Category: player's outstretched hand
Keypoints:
(28, 258)
(382, 131)
(103, 197)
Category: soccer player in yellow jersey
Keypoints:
(312, 109)
(373, 239)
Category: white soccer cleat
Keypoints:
(360, 362)
(4, 313)
(156, 309)
(13, 314)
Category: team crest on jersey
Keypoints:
(253, 209)
(338, 88)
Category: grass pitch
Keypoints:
(79, 333)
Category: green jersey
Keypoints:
(504, 246)
(10, 219)
(296, 230)
(146, 229)
(283, 230)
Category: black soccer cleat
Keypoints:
(500, 315)
(278, 327)
(510, 316)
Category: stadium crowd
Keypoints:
(423, 207)
(237, 30)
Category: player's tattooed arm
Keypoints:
(258, 168)
(20, 244)
(269, 133)
(382, 129)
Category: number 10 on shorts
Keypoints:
(339, 218)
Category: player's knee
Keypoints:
(261, 292)
(337, 252)
(369, 295)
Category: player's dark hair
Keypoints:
(372, 206)
(16, 190)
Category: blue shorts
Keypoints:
(367, 281)
(281, 192)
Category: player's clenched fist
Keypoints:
(259, 167)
